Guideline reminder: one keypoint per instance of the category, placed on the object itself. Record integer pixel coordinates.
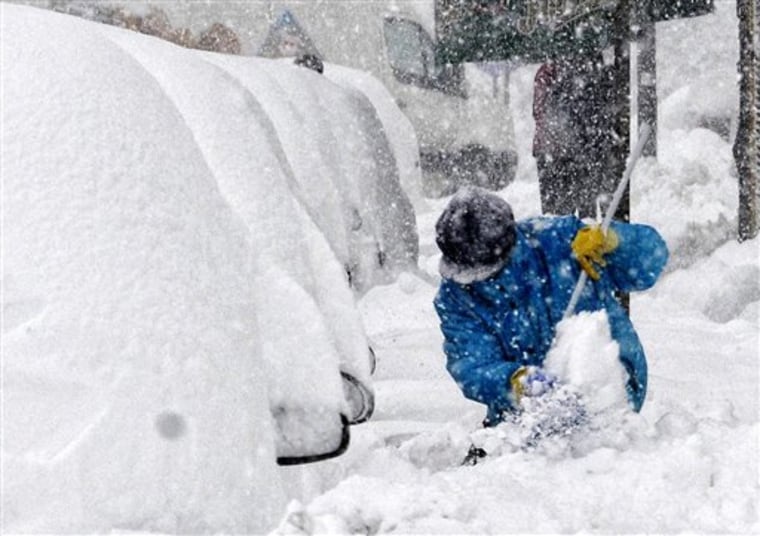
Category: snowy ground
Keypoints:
(687, 463)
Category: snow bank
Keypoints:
(728, 289)
(696, 71)
(648, 480)
(689, 194)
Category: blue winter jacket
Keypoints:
(494, 326)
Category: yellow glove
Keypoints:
(517, 382)
(589, 246)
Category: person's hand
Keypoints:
(590, 245)
(531, 381)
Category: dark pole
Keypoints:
(621, 115)
(647, 80)
(621, 104)
(746, 150)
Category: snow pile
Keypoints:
(587, 402)
(727, 289)
(690, 195)
(641, 478)
(585, 356)
(696, 71)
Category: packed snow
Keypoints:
(597, 375)
(687, 463)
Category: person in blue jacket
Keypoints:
(506, 284)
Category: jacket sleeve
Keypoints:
(639, 259)
(474, 356)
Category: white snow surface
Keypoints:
(687, 463)
(585, 356)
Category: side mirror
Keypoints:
(303, 439)
(361, 401)
(313, 436)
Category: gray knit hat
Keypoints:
(475, 233)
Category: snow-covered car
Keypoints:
(177, 316)
(460, 116)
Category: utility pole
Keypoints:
(747, 143)
(621, 100)
(621, 114)
(646, 70)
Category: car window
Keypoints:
(411, 54)
(405, 47)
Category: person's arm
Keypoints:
(632, 256)
(474, 356)
(639, 258)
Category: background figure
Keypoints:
(574, 136)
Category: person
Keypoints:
(574, 137)
(506, 284)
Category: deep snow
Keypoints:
(687, 463)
